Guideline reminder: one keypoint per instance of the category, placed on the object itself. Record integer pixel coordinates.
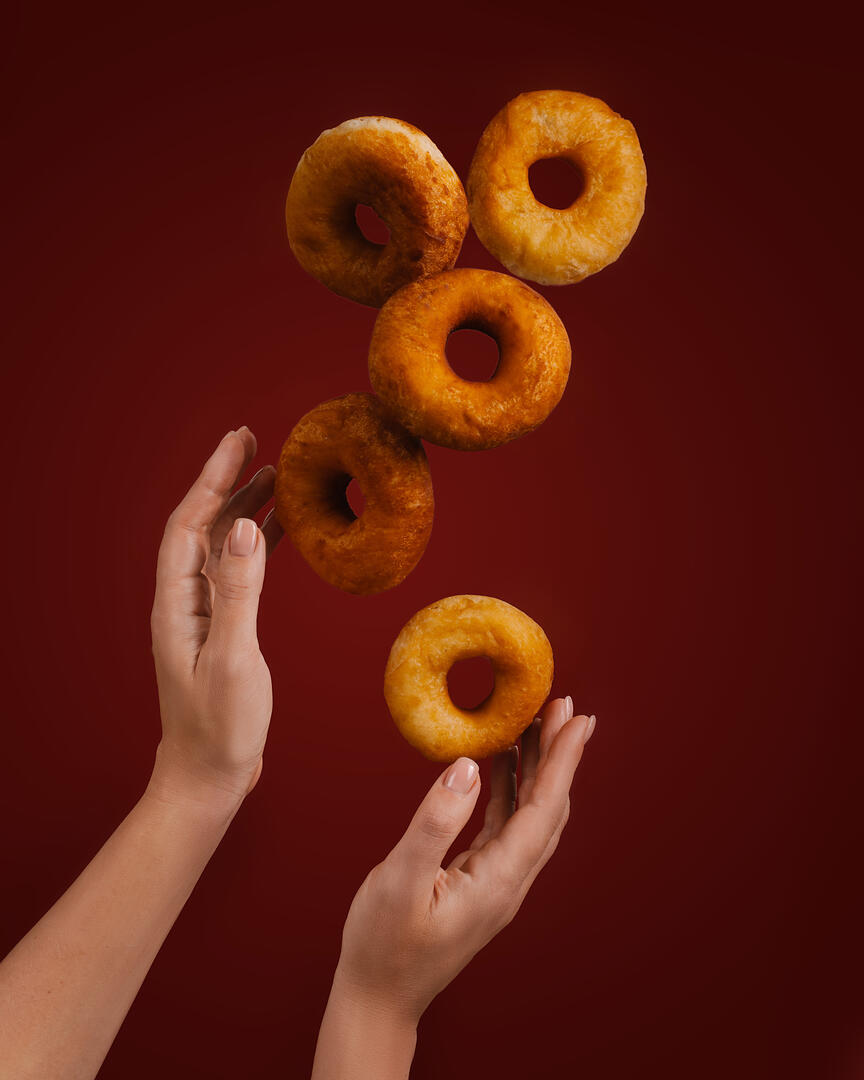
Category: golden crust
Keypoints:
(353, 437)
(415, 681)
(398, 171)
(537, 242)
(408, 364)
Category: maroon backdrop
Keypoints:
(682, 526)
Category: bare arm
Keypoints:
(414, 925)
(67, 986)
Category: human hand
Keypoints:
(215, 693)
(414, 925)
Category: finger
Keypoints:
(501, 805)
(185, 543)
(521, 845)
(549, 850)
(272, 530)
(440, 818)
(502, 795)
(233, 624)
(553, 717)
(245, 502)
(530, 754)
(250, 443)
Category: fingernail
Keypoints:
(461, 775)
(243, 538)
(592, 720)
(559, 714)
(568, 705)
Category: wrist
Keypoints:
(180, 782)
(363, 1034)
(381, 1007)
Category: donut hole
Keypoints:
(373, 227)
(470, 682)
(556, 182)
(355, 498)
(341, 495)
(472, 354)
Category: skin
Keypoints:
(414, 924)
(67, 986)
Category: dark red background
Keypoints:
(682, 526)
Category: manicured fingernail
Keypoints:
(263, 469)
(558, 713)
(592, 720)
(461, 775)
(568, 705)
(243, 538)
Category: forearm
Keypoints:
(67, 986)
(362, 1039)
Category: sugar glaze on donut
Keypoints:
(396, 169)
(408, 362)
(353, 437)
(457, 628)
(535, 241)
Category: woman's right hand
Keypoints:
(413, 924)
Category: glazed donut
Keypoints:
(409, 370)
(398, 171)
(537, 242)
(415, 681)
(352, 437)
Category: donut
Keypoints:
(408, 363)
(459, 627)
(398, 171)
(537, 242)
(352, 437)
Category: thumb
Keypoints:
(237, 588)
(440, 818)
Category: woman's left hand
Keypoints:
(215, 693)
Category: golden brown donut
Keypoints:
(408, 362)
(537, 242)
(353, 437)
(415, 681)
(397, 170)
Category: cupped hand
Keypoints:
(414, 924)
(215, 693)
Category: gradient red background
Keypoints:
(682, 526)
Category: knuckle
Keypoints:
(435, 825)
(177, 520)
(232, 588)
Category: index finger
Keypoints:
(184, 545)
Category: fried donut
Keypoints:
(537, 242)
(398, 171)
(415, 681)
(408, 363)
(352, 437)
